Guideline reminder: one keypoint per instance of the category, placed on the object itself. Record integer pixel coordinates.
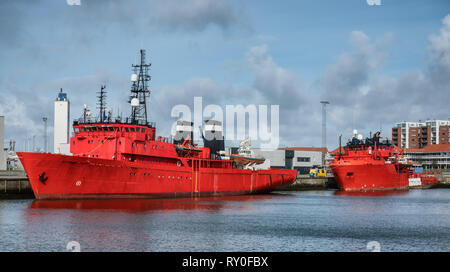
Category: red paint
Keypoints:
(116, 159)
(144, 176)
(370, 167)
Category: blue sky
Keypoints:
(376, 64)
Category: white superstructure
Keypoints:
(61, 125)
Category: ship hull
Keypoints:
(365, 176)
(54, 176)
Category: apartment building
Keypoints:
(421, 134)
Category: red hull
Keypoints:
(368, 175)
(54, 176)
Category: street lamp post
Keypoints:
(45, 133)
(324, 128)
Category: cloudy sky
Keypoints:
(377, 65)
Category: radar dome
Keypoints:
(360, 137)
(134, 77)
(355, 132)
(134, 102)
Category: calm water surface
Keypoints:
(418, 220)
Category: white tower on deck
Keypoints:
(61, 125)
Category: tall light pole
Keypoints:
(324, 128)
(45, 133)
(34, 140)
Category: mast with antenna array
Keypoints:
(101, 102)
(140, 91)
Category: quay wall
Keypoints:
(15, 185)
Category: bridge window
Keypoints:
(126, 129)
(94, 129)
(132, 129)
(143, 129)
(83, 129)
(77, 130)
(138, 129)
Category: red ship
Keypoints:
(370, 165)
(124, 159)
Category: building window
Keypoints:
(303, 159)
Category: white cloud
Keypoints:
(363, 97)
(439, 47)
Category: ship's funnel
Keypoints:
(183, 130)
(213, 137)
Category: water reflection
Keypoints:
(156, 205)
(375, 193)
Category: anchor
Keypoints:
(43, 178)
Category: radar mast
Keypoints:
(139, 91)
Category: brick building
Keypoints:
(421, 134)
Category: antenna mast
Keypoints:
(101, 103)
(140, 91)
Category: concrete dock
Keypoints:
(444, 181)
(308, 183)
(15, 185)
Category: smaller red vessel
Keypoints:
(370, 164)
(423, 180)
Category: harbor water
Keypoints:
(324, 220)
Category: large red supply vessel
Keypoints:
(124, 159)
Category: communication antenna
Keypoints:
(101, 102)
(139, 91)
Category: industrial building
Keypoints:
(61, 124)
(301, 159)
(421, 134)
